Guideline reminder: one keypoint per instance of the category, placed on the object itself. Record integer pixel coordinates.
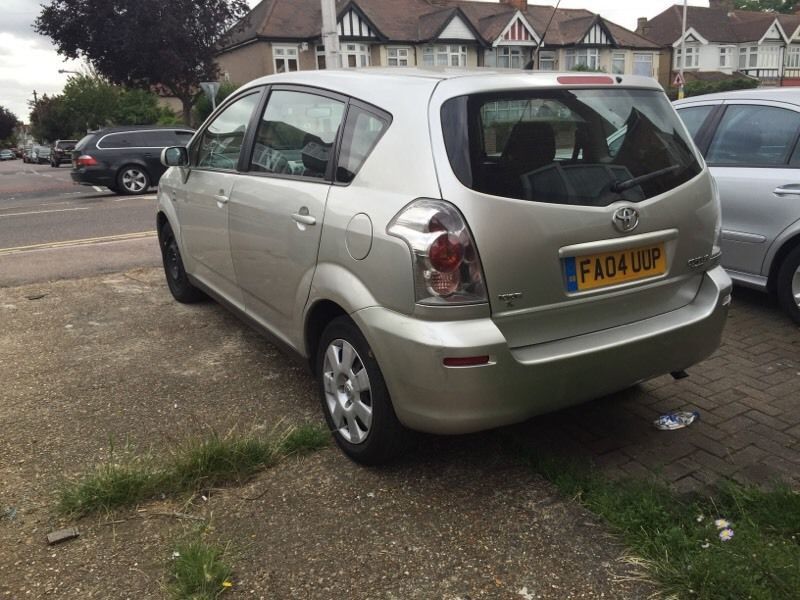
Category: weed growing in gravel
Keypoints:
(199, 463)
(752, 552)
(199, 571)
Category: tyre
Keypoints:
(132, 179)
(354, 396)
(177, 280)
(788, 285)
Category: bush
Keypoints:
(699, 88)
(202, 108)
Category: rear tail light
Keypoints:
(447, 269)
(86, 161)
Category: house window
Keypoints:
(793, 57)
(284, 58)
(547, 61)
(618, 63)
(510, 58)
(748, 57)
(643, 64)
(585, 57)
(321, 57)
(355, 55)
(445, 56)
(692, 57)
(398, 57)
(726, 57)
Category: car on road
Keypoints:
(451, 251)
(127, 160)
(40, 155)
(749, 140)
(26, 154)
(7, 155)
(61, 152)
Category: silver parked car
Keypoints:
(451, 251)
(750, 142)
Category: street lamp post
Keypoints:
(62, 71)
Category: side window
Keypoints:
(694, 117)
(221, 143)
(296, 134)
(182, 138)
(754, 135)
(145, 139)
(116, 140)
(361, 134)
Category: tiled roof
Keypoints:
(716, 24)
(422, 21)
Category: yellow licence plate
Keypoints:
(600, 270)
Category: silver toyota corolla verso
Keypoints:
(452, 251)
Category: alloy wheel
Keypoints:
(348, 394)
(796, 286)
(134, 180)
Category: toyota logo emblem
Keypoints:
(626, 219)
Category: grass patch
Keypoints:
(199, 571)
(678, 540)
(197, 464)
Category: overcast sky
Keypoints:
(29, 62)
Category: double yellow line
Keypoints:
(84, 242)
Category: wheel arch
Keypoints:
(786, 247)
(319, 315)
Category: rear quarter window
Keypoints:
(363, 130)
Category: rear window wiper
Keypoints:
(621, 186)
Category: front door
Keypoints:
(202, 203)
(277, 208)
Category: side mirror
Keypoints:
(176, 156)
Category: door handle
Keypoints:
(304, 219)
(221, 199)
(787, 190)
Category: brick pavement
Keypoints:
(748, 396)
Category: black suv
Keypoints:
(127, 160)
(61, 152)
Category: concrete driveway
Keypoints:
(112, 360)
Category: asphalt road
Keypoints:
(52, 229)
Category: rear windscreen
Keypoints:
(588, 147)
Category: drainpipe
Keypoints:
(683, 52)
(330, 35)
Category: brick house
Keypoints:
(722, 40)
(285, 35)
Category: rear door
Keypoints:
(586, 204)
(277, 208)
(754, 157)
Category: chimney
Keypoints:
(518, 4)
(641, 26)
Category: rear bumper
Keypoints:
(520, 383)
(90, 176)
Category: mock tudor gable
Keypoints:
(452, 33)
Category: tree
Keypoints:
(8, 121)
(50, 119)
(777, 6)
(90, 102)
(147, 44)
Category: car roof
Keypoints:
(783, 94)
(387, 86)
(123, 129)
